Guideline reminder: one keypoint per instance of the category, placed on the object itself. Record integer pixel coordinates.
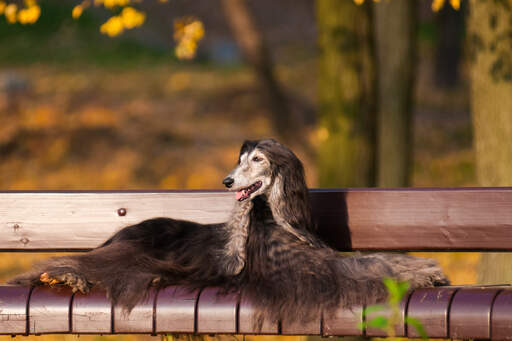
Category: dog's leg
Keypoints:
(57, 271)
(419, 272)
(75, 281)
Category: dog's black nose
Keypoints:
(228, 182)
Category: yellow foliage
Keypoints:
(2, 7)
(171, 181)
(132, 18)
(77, 11)
(42, 117)
(455, 4)
(57, 149)
(187, 33)
(30, 14)
(128, 19)
(111, 3)
(202, 177)
(438, 4)
(10, 13)
(113, 26)
(97, 117)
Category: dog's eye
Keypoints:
(257, 159)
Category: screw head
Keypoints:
(121, 212)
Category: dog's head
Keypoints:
(262, 165)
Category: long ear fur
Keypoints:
(289, 197)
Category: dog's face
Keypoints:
(252, 176)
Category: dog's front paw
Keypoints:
(75, 281)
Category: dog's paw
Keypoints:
(74, 281)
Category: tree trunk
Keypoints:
(346, 132)
(489, 30)
(395, 42)
(253, 47)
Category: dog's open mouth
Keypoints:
(246, 192)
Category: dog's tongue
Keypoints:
(240, 194)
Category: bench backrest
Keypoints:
(351, 219)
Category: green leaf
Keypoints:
(396, 289)
(418, 326)
(373, 309)
(392, 286)
(379, 322)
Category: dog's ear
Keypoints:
(288, 173)
(247, 147)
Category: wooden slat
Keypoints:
(400, 329)
(91, 313)
(362, 219)
(13, 309)
(312, 327)
(430, 306)
(474, 313)
(139, 319)
(501, 317)
(470, 313)
(345, 321)
(217, 313)
(83, 220)
(247, 323)
(416, 219)
(175, 310)
(49, 310)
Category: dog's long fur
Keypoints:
(268, 249)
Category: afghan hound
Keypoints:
(268, 249)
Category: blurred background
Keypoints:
(390, 93)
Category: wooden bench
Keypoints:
(357, 219)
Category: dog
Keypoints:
(268, 249)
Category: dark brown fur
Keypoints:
(283, 266)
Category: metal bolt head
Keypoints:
(121, 212)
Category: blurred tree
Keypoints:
(395, 39)
(256, 53)
(346, 132)
(490, 28)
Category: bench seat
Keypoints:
(457, 312)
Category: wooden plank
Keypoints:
(83, 220)
(430, 307)
(13, 309)
(345, 321)
(246, 320)
(91, 313)
(175, 310)
(139, 320)
(353, 219)
(48, 310)
(400, 327)
(501, 321)
(312, 327)
(470, 313)
(217, 313)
